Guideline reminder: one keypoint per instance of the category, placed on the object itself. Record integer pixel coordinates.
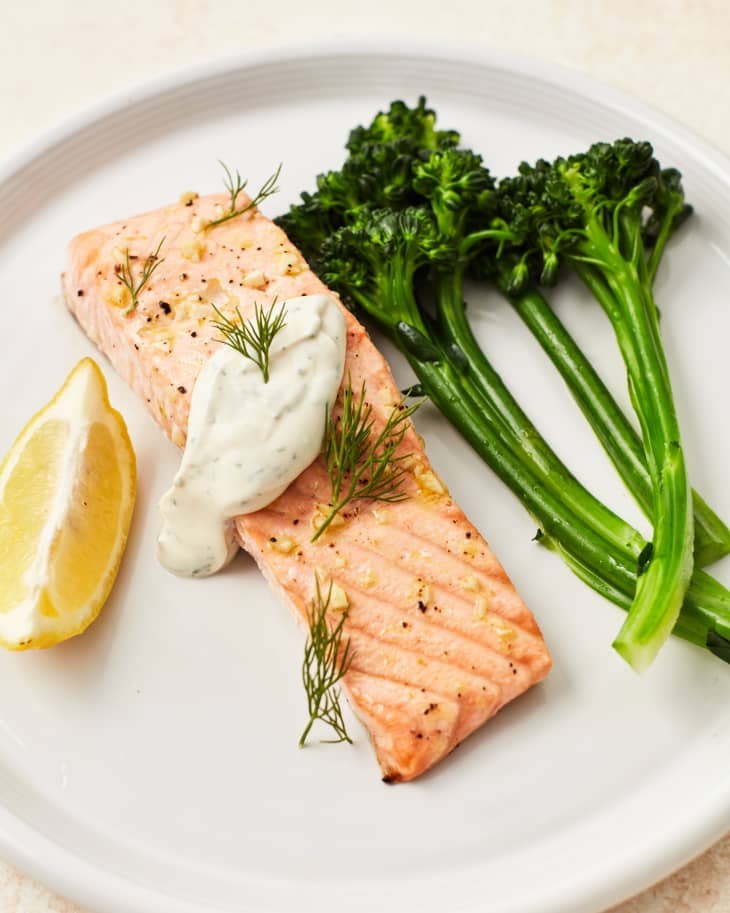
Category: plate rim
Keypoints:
(60, 868)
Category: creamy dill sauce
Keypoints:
(248, 440)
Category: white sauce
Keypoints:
(247, 440)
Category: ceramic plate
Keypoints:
(153, 764)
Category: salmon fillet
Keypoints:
(441, 638)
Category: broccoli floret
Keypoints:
(372, 262)
(417, 125)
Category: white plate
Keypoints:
(152, 764)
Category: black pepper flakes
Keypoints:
(80, 292)
(181, 389)
(165, 307)
(422, 605)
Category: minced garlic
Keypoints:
(506, 634)
(323, 511)
(193, 249)
(188, 197)
(481, 608)
(283, 544)
(470, 548)
(368, 577)
(338, 598)
(118, 296)
(471, 584)
(428, 481)
(339, 601)
(288, 263)
(255, 279)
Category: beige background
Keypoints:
(57, 55)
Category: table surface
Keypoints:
(674, 54)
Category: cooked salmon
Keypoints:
(441, 640)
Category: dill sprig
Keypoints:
(235, 186)
(253, 338)
(124, 272)
(360, 465)
(326, 661)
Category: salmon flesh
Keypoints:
(440, 638)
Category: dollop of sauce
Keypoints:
(248, 440)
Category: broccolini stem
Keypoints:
(612, 427)
(487, 234)
(691, 624)
(482, 379)
(709, 600)
(662, 586)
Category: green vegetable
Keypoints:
(377, 250)
(612, 427)
(587, 212)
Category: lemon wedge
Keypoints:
(67, 491)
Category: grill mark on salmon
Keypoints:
(427, 670)
(447, 606)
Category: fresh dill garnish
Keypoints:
(235, 185)
(124, 272)
(359, 464)
(326, 661)
(253, 338)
